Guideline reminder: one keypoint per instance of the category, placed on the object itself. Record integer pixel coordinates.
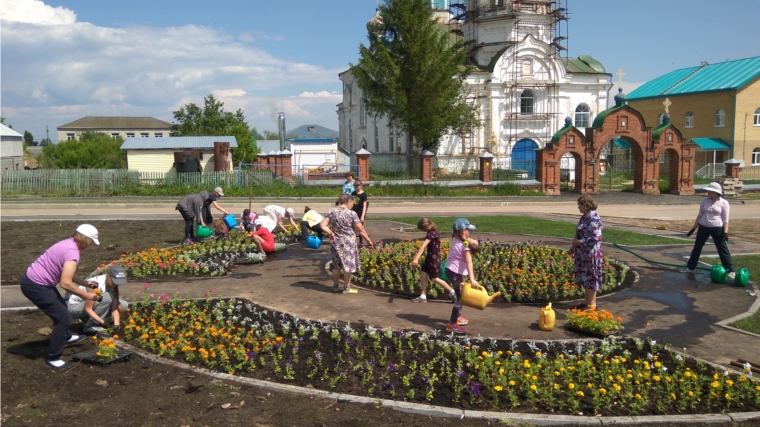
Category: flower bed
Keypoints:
(609, 377)
(524, 272)
(212, 256)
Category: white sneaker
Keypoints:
(731, 275)
(686, 270)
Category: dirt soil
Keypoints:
(140, 393)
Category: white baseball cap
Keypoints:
(258, 222)
(88, 230)
(290, 211)
(219, 191)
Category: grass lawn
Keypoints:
(543, 227)
(751, 263)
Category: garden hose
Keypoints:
(654, 262)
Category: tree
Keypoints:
(28, 138)
(268, 135)
(2, 120)
(45, 142)
(212, 120)
(90, 150)
(413, 74)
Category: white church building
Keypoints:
(522, 82)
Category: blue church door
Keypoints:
(524, 157)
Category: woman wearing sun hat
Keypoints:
(712, 221)
(58, 265)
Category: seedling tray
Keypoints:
(91, 358)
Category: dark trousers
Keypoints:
(455, 280)
(189, 232)
(208, 218)
(305, 230)
(721, 245)
(48, 300)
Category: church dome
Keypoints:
(375, 25)
(620, 97)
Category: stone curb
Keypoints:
(445, 412)
(751, 311)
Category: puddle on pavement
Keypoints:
(245, 275)
(673, 299)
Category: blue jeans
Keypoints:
(49, 300)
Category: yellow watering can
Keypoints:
(546, 318)
(476, 297)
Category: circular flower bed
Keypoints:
(609, 377)
(212, 256)
(523, 272)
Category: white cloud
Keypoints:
(65, 71)
(35, 12)
(246, 37)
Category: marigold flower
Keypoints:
(498, 388)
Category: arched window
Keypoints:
(756, 157)
(391, 148)
(362, 110)
(757, 117)
(377, 137)
(720, 118)
(526, 102)
(350, 134)
(689, 120)
(582, 116)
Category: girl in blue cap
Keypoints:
(459, 265)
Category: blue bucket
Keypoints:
(230, 221)
(313, 242)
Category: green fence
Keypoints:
(51, 181)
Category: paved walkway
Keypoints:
(665, 305)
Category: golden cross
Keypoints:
(667, 104)
(620, 75)
(569, 107)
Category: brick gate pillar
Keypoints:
(261, 159)
(362, 159)
(732, 168)
(271, 161)
(286, 165)
(486, 167)
(426, 166)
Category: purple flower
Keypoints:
(250, 355)
(426, 379)
(295, 348)
(300, 339)
(288, 362)
(371, 363)
(318, 355)
(389, 386)
(460, 373)
(391, 367)
(474, 388)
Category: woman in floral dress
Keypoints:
(342, 225)
(586, 249)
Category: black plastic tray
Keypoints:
(590, 333)
(90, 357)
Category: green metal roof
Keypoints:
(583, 64)
(729, 75)
(599, 120)
(661, 128)
(568, 125)
(622, 143)
(711, 143)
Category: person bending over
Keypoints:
(262, 237)
(95, 313)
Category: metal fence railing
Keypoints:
(710, 170)
(750, 173)
(50, 181)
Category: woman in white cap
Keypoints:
(58, 265)
(276, 213)
(712, 221)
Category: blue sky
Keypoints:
(65, 59)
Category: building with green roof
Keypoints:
(716, 106)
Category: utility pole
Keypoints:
(47, 132)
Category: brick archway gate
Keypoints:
(627, 123)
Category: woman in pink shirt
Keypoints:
(712, 221)
(58, 265)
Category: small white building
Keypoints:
(160, 154)
(116, 126)
(11, 149)
(310, 154)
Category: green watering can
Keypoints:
(718, 274)
(742, 277)
(203, 231)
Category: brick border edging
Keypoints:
(445, 412)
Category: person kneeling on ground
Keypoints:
(311, 221)
(220, 228)
(263, 238)
(95, 313)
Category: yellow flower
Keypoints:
(497, 363)
(602, 391)
(729, 382)
(498, 388)
(533, 387)
(673, 396)
(511, 383)
(501, 371)
(656, 378)
(637, 396)
(691, 393)
(728, 396)
(579, 393)
(715, 384)
(571, 386)
(534, 378)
